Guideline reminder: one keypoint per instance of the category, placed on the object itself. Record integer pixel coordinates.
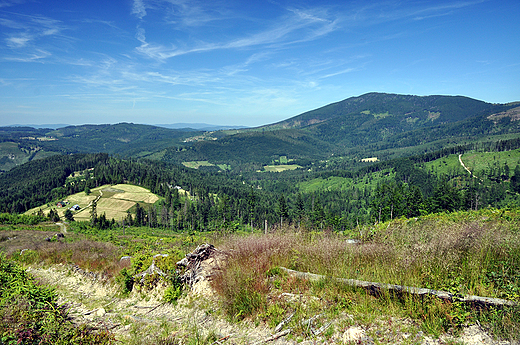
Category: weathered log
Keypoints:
(376, 288)
(285, 321)
(273, 337)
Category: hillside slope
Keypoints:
(364, 125)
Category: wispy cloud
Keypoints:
(8, 3)
(18, 41)
(297, 27)
(442, 9)
(35, 56)
(25, 29)
(139, 9)
(347, 70)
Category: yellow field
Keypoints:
(197, 164)
(114, 201)
(135, 194)
(280, 168)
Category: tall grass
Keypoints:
(469, 253)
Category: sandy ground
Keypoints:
(142, 316)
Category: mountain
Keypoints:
(22, 144)
(51, 126)
(377, 117)
(372, 125)
(369, 125)
(199, 126)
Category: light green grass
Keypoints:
(280, 168)
(476, 162)
(445, 165)
(343, 183)
(197, 164)
(481, 161)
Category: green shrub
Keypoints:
(172, 294)
(125, 281)
(29, 313)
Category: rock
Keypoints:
(101, 312)
(475, 335)
(183, 263)
(353, 334)
(150, 271)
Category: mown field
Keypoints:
(281, 167)
(114, 201)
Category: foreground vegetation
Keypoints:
(30, 314)
(474, 252)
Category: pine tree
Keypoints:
(283, 211)
(68, 215)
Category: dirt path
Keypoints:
(96, 199)
(63, 227)
(142, 316)
(462, 163)
(466, 168)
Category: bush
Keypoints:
(29, 313)
(125, 280)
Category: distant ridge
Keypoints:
(199, 126)
(51, 126)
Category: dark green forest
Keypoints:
(326, 145)
(225, 201)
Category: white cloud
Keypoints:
(139, 9)
(36, 56)
(298, 27)
(7, 3)
(347, 70)
(18, 41)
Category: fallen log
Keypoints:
(273, 337)
(376, 288)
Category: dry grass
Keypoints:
(475, 256)
(31, 247)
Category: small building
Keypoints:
(75, 208)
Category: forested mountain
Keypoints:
(126, 139)
(21, 144)
(253, 147)
(374, 124)
(405, 111)
(338, 135)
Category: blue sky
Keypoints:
(244, 62)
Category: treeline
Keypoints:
(216, 201)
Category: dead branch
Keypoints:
(376, 288)
(273, 337)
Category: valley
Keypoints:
(394, 189)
